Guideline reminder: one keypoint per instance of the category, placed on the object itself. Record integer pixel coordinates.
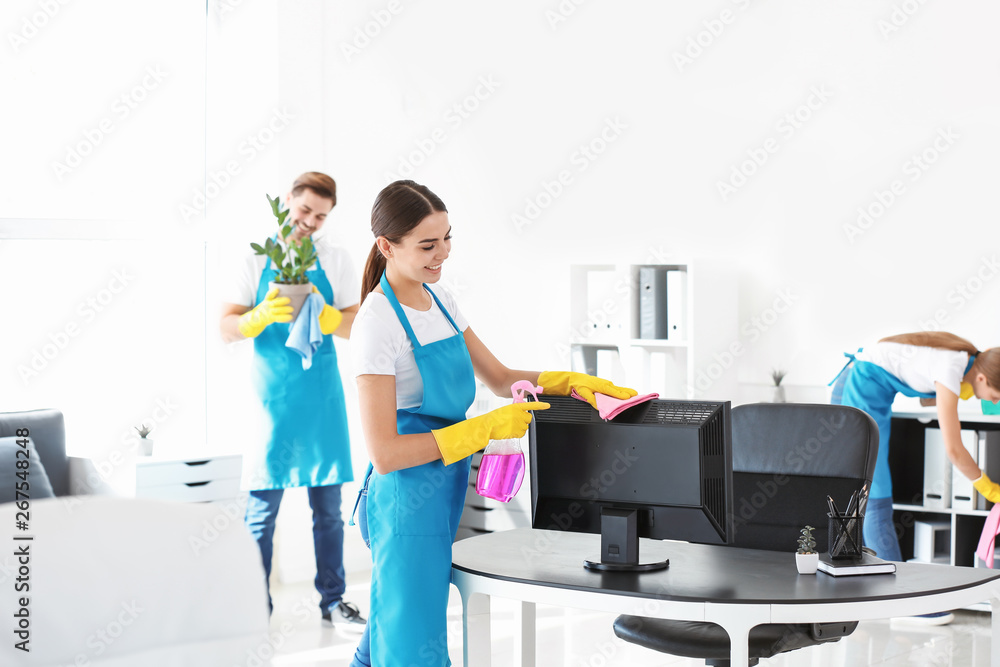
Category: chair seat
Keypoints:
(710, 642)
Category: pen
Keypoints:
(833, 505)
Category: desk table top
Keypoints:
(697, 572)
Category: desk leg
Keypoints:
(524, 633)
(995, 623)
(737, 620)
(476, 630)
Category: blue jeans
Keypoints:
(880, 530)
(328, 537)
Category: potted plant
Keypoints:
(145, 443)
(290, 262)
(807, 558)
(777, 376)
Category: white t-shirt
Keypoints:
(380, 346)
(334, 261)
(919, 367)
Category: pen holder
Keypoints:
(845, 535)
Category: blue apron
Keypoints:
(412, 514)
(309, 443)
(871, 388)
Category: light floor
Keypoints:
(578, 638)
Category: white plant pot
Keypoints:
(779, 395)
(145, 447)
(807, 563)
(296, 294)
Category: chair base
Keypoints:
(710, 642)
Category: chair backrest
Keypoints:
(787, 457)
(48, 431)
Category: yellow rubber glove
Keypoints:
(987, 488)
(330, 318)
(468, 437)
(268, 311)
(967, 391)
(561, 383)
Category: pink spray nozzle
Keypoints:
(522, 387)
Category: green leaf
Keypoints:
(258, 250)
(275, 204)
(285, 231)
(281, 217)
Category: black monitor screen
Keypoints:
(665, 463)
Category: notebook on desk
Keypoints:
(865, 564)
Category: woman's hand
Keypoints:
(562, 383)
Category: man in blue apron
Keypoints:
(307, 443)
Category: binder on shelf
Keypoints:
(937, 471)
(676, 305)
(652, 303)
(605, 315)
(963, 494)
(865, 564)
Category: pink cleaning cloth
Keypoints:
(609, 407)
(990, 530)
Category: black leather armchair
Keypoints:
(786, 458)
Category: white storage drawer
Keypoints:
(158, 473)
(193, 492)
(493, 520)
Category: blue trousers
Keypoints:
(874, 395)
(328, 536)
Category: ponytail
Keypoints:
(938, 339)
(374, 267)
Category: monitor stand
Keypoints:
(620, 544)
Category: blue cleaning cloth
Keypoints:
(305, 336)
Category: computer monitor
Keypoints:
(662, 469)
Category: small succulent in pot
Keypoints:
(807, 543)
(143, 430)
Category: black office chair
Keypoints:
(786, 458)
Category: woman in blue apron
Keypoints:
(934, 366)
(416, 361)
(307, 444)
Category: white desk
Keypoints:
(734, 588)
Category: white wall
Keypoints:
(886, 81)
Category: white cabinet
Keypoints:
(668, 328)
(212, 479)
